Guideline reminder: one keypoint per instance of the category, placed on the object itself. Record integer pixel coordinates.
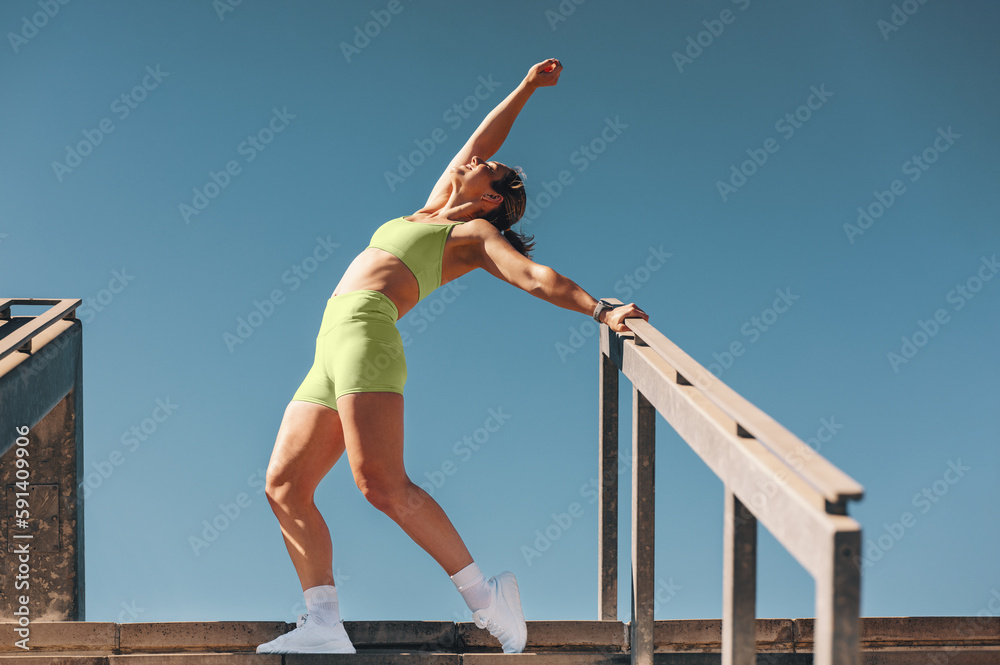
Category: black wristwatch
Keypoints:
(602, 305)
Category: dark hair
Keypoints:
(505, 215)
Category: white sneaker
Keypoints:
(504, 618)
(311, 636)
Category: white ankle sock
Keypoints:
(321, 603)
(471, 583)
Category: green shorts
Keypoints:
(358, 350)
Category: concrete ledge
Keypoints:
(884, 641)
(431, 636)
(196, 659)
(885, 632)
(546, 659)
(406, 658)
(549, 636)
(201, 636)
(98, 638)
(53, 660)
(887, 657)
(705, 635)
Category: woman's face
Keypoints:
(477, 177)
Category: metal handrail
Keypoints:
(804, 507)
(20, 339)
(835, 485)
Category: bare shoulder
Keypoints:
(477, 228)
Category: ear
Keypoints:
(492, 197)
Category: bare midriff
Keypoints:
(375, 269)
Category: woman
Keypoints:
(352, 399)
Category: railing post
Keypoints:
(838, 603)
(739, 583)
(643, 527)
(607, 506)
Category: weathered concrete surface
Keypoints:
(705, 635)
(577, 636)
(53, 566)
(196, 659)
(172, 636)
(429, 636)
(407, 658)
(887, 632)
(885, 641)
(97, 637)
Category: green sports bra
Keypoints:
(419, 245)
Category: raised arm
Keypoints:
(501, 260)
(493, 130)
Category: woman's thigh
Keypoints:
(373, 436)
(310, 441)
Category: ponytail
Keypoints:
(511, 188)
(522, 243)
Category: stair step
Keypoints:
(884, 641)
(985, 656)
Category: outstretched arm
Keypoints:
(493, 130)
(501, 260)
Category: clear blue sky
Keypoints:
(169, 289)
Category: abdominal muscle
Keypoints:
(375, 269)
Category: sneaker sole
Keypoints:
(322, 648)
(517, 598)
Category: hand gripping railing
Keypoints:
(804, 507)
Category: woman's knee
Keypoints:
(390, 494)
(284, 487)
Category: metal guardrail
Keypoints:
(20, 339)
(805, 506)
